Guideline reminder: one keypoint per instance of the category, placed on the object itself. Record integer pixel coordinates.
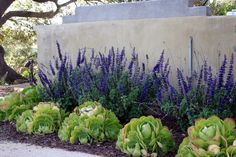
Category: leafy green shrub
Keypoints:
(210, 137)
(43, 119)
(89, 123)
(14, 104)
(145, 136)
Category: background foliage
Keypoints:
(218, 7)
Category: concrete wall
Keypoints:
(212, 37)
(137, 10)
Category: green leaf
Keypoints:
(145, 136)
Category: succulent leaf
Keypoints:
(89, 122)
(23, 122)
(43, 119)
(145, 136)
(210, 137)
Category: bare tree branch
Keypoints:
(43, 1)
(205, 3)
(23, 13)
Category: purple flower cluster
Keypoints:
(95, 78)
(109, 78)
(222, 73)
(203, 90)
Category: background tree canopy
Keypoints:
(17, 19)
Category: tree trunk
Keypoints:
(4, 5)
(6, 72)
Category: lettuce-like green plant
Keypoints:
(89, 123)
(231, 150)
(13, 105)
(145, 136)
(42, 124)
(68, 125)
(49, 108)
(210, 137)
(2, 115)
(31, 95)
(46, 118)
(3, 108)
(17, 111)
(89, 109)
(8, 104)
(22, 124)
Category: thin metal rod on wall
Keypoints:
(190, 56)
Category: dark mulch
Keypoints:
(107, 149)
(9, 133)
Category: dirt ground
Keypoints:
(4, 90)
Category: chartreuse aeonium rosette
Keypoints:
(210, 137)
(12, 106)
(145, 136)
(90, 122)
(43, 119)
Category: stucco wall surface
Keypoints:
(212, 37)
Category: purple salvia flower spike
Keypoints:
(209, 95)
(230, 78)
(205, 71)
(79, 58)
(59, 50)
(131, 68)
(222, 73)
(52, 68)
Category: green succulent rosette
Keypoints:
(14, 104)
(81, 135)
(49, 108)
(45, 118)
(42, 124)
(145, 136)
(89, 109)
(210, 137)
(24, 121)
(8, 104)
(17, 111)
(111, 126)
(231, 150)
(89, 123)
(30, 95)
(68, 126)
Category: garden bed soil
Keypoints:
(107, 149)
